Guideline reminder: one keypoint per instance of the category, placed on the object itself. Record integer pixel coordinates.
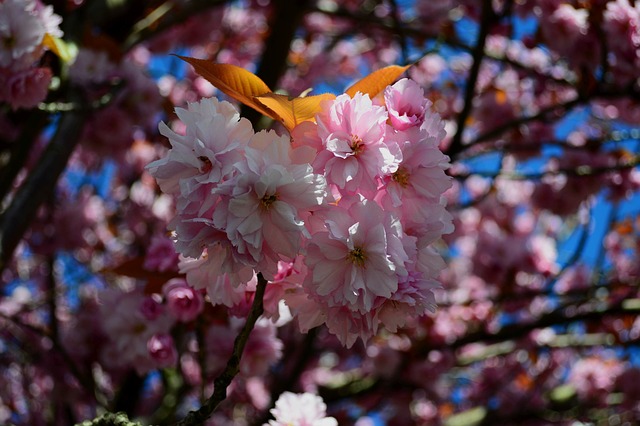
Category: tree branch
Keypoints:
(486, 21)
(165, 17)
(20, 151)
(233, 365)
(40, 183)
(286, 16)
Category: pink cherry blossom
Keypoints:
(206, 154)
(162, 350)
(263, 205)
(209, 272)
(406, 104)
(350, 263)
(301, 410)
(21, 30)
(414, 190)
(129, 329)
(353, 132)
(183, 301)
(25, 88)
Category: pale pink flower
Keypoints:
(406, 104)
(90, 66)
(263, 349)
(193, 233)
(343, 322)
(428, 69)
(307, 312)
(128, 325)
(26, 88)
(209, 272)
(49, 19)
(202, 158)
(353, 133)
(262, 207)
(348, 325)
(183, 301)
(198, 162)
(21, 30)
(414, 191)
(349, 263)
(288, 279)
(304, 409)
(413, 298)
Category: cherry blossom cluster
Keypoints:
(340, 217)
(23, 26)
(300, 409)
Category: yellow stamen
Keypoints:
(356, 144)
(401, 176)
(357, 256)
(267, 201)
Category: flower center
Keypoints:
(357, 256)
(206, 164)
(9, 42)
(357, 146)
(401, 176)
(267, 201)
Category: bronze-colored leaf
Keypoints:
(233, 81)
(293, 111)
(375, 82)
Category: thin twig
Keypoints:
(20, 151)
(233, 365)
(399, 29)
(165, 17)
(486, 21)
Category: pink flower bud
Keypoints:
(184, 302)
(162, 350)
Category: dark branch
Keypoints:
(233, 365)
(486, 21)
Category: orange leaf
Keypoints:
(625, 227)
(501, 97)
(293, 111)
(236, 82)
(375, 82)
